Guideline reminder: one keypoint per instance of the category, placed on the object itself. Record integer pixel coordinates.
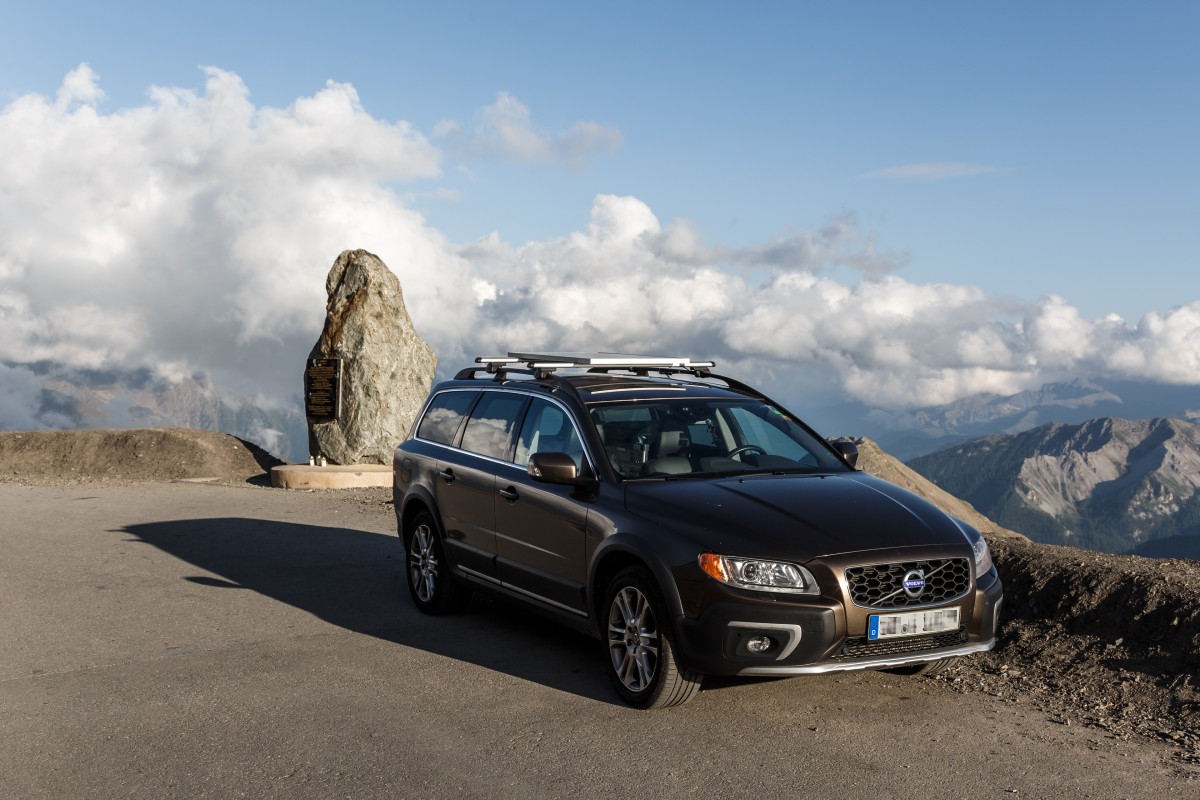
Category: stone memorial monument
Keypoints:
(369, 373)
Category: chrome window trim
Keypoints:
(628, 389)
(587, 453)
(453, 449)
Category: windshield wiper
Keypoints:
(780, 471)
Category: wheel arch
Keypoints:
(616, 554)
(417, 501)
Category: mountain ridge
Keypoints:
(1106, 484)
(76, 399)
(921, 431)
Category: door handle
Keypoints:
(510, 494)
(447, 475)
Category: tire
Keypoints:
(639, 645)
(433, 589)
(928, 668)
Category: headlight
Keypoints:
(983, 557)
(751, 573)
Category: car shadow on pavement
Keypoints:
(355, 580)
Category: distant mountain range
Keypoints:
(1061, 464)
(1107, 484)
(915, 433)
(83, 399)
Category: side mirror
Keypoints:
(554, 468)
(848, 450)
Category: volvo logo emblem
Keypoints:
(914, 583)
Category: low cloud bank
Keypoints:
(632, 284)
(192, 235)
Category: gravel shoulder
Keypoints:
(1109, 643)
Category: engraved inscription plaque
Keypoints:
(323, 389)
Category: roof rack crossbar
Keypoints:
(495, 365)
(542, 366)
(598, 361)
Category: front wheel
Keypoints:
(433, 589)
(644, 665)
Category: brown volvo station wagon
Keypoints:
(686, 520)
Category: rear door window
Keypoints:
(489, 431)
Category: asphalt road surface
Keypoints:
(182, 640)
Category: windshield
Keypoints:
(692, 437)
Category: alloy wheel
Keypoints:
(423, 563)
(633, 639)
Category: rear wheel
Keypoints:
(644, 665)
(433, 589)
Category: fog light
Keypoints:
(758, 644)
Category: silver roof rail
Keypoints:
(554, 360)
(543, 365)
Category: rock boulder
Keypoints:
(386, 368)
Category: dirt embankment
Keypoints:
(1110, 642)
(1091, 638)
(145, 454)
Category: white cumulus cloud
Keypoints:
(195, 231)
(505, 130)
(628, 283)
(192, 235)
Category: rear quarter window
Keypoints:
(444, 417)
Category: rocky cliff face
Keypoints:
(1107, 484)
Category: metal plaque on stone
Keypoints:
(323, 389)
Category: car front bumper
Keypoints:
(811, 636)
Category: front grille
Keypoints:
(861, 647)
(882, 585)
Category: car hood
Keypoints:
(793, 517)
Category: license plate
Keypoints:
(912, 623)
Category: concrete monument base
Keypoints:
(339, 476)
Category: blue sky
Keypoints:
(981, 157)
(754, 122)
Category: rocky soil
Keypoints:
(1108, 642)
(1111, 643)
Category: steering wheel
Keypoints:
(746, 448)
